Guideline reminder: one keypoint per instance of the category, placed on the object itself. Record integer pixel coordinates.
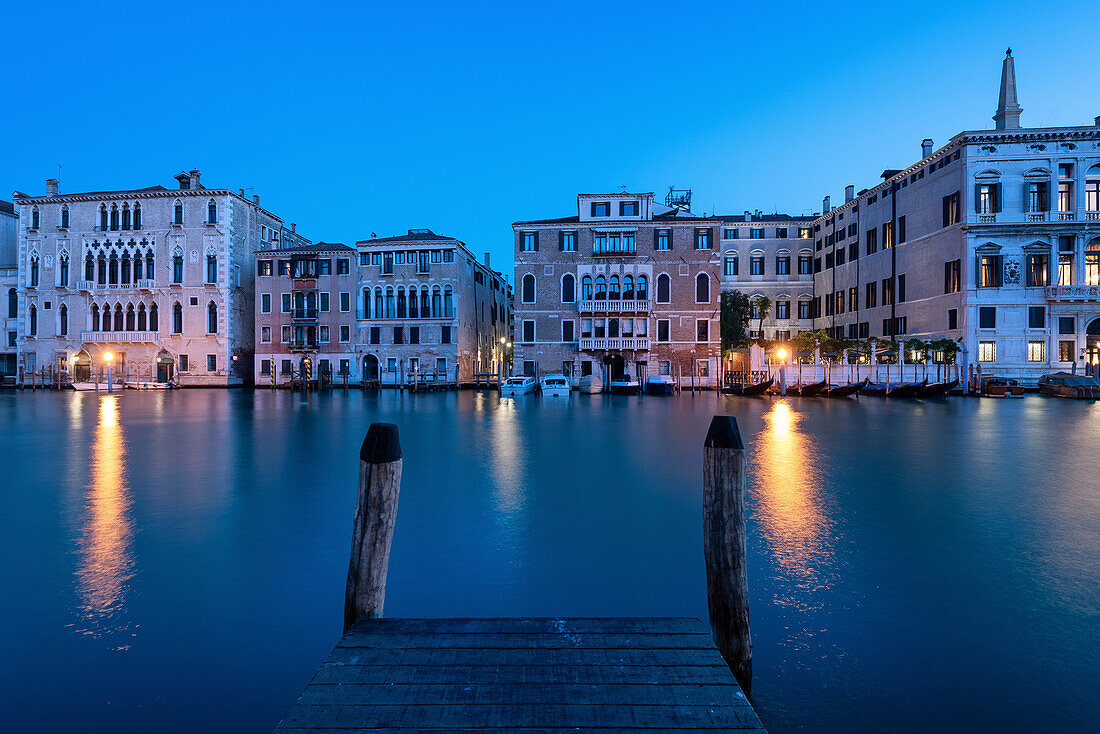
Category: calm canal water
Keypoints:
(176, 561)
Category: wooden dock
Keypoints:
(510, 674)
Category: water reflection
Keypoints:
(106, 565)
(789, 508)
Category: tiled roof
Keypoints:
(120, 192)
(675, 215)
(307, 249)
(7, 207)
(414, 235)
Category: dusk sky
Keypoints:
(464, 117)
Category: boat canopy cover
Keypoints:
(1065, 378)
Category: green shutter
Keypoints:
(977, 198)
(996, 198)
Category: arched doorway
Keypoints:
(82, 367)
(165, 365)
(370, 368)
(1092, 343)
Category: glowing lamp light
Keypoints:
(782, 354)
(107, 356)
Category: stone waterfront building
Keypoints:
(305, 315)
(162, 279)
(426, 306)
(626, 286)
(992, 239)
(9, 221)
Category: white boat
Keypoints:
(520, 385)
(659, 385)
(590, 384)
(625, 385)
(555, 386)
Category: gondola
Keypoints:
(894, 391)
(937, 389)
(807, 391)
(750, 390)
(844, 391)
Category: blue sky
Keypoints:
(464, 117)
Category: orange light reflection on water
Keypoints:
(106, 561)
(789, 509)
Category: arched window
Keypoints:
(63, 270)
(63, 320)
(414, 303)
(366, 303)
(568, 288)
(628, 287)
(112, 270)
(89, 267)
(64, 216)
(137, 267)
(391, 303)
(212, 212)
(114, 217)
(379, 305)
(13, 303)
(1092, 189)
(586, 288)
(131, 321)
(601, 288)
(141, 323)
(448, 303)
(149, 263)
(425, 303)
(614, 294)
(177, 318)
(402, 304)
(664, 288)
(177, 212)
(101, 276)
(34, 270)
(437, 303)
(702, 288)
(102, 217)
(125, 268)
(126, 216)
(528, 290)
(211, 269)
(95, 317)
(137, 215)
(118, 317)
(35, 218)
(34, 321)
(154, 320)
(211, 318)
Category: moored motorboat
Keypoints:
(937, 389)
(590, 385)
(624, 385)
(659, 385)
(519, 385)
(844, 391)
(1066, 385)
(555, 386)
(807, 391)
(1000, 387)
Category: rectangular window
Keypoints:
(345, 302)
(952, 318)
(756, 233)
(805, 233)
(569, 241)
(901, 230)
(184, 366)
(324, 301)
(853, 299)
(376, 258)
(887, 291)
(387, 263)
(285, 305)
(567, 327)
(345, 333)
(887, 235)
(872, 295)
(664, 239)
(756, 265)
(628, 208)
(702, 330)
(989, 275)
(804, 309)
(324, 267)
(414, 335)
(1038, 269)
(952, 276)
(343, 266)
(872, 241)
(781, 233)
(324, 335)
(901, 289)
(601, 209)
(1065, 269)
(987, 198)
(285, 335)
(783, 265)
(376, 335)
(265, 334)
(730, 265)
(1037, 196)
(805, 265)
(702, 239)
(1037, 317)
(987, 317)
(437, 256)
(211, 363)
(1067, 325)
(663, 330)
(951, 209)
(729, 233)
(1065, 351)
(782, 309)
(399, 335)
(528, 332)
(987, 351)
(586, 328)
(264, 267)
(265, 303)
(265, 367)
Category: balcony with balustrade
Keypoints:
(1073, 293)
(120, 337)
(616, 305)
(615, 343)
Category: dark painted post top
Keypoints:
(381, 444)
(724, 434)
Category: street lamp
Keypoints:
(782, 354)
(108, 358)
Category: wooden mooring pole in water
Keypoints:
(724, 546)
(375, 512)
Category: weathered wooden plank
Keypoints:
(521, 656)
(573, 625)
(373, 716)
(533, 640)
(524, 693)
(716, 674)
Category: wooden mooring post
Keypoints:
(375, 513)
(724, 551)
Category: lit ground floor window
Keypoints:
(987, 351)
(1036, 351)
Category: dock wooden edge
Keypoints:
(551, 674)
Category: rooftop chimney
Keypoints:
(1008, 111)
(241, 192)
(486, 259)
(373, 236)
(1096, 122)
(748, 216)
(826, 205)
(256, 199)
(194, 174)
(849, 193)
(926, 147)
(293, 227)
(51, 187)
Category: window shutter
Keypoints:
(996, 200)
(536, 240)
(561, 240)
(671, 238)
(1046, 196)
(945, 210)
(977, 198)
(656, 237)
